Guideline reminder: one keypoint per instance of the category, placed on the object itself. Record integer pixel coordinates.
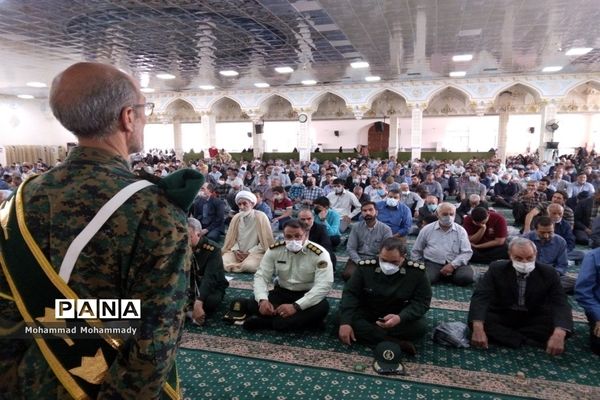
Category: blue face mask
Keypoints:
(432, 207)
(380, 192)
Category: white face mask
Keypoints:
(473, 179)
(294, 245)
(446, 220)
(406, 192)
(339, 190)
(388, 268)
(523, 267)
(391, 202)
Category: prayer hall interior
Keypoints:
(338, 80)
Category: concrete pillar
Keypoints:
(303, 138)
(394, 140)
(209, 136)
(258, 144)
(548, 114)
(416, 132)
(502, 135)
(177, 139)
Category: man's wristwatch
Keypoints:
(297, 307)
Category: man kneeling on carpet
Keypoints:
(207, 277)
(520, 302)
(304, 276)
(386, 299)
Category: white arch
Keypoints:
(315, 100)
(211, 104)
(569, 89)
(378, 92)
(536, 91)
(262, 100)
(441, 89)
(170, 101)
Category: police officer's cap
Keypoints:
(387, 359)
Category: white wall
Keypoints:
(233, 136)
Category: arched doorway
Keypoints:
(379, 137)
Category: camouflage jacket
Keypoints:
(141, 252)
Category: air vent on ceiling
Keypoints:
(413, 73)
(490, 69)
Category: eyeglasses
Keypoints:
(148, 108)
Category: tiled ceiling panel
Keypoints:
(194, 40)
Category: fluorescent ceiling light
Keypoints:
(458, 74)
(229, 72)
(372, 78)
(165, 76)
(359, 64)
(578, 51)
(554, 68)
(206, 87)
(262, 85)
(25, 96)
(284, 70)
(36, 84)
(462, 57)
(309, 82)
(147, 90)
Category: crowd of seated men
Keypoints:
(373, 205)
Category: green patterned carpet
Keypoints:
(220, 361)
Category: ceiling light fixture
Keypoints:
(359, 64)
(262, 85)
(229, 72)
(165, 76)
(308, 82)
(578, 51)
(147, 90)
(25, 96)
(36, 84)
(462, 57)
(554, 68)
(206, 87)
(284, 70)
(458, 74)
(372, 78)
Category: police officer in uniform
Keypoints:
(207, 276)
(304, 277)
(386, 299)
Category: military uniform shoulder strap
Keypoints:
(314, 249)
(277, 244)
(209, 245)
(367, 263)
(416, 265)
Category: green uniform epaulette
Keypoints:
(416, 264)
(367, 262)
(277, 244)
(208, 246)
(314, 249)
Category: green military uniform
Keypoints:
(141, 252)
(370, 294)
(304, 278)
(207, 279)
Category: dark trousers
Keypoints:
(335, 240)
(210, 304)
(500, 201)
(486, 256)
(349, 270)
(311, 317)
(366, 331)
(594, 340)
(581, 237)
(462, 276)
(516, 328)
(519, 212)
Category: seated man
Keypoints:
(411, 199)
(433, 187)
(587, 293)
(395, 214)
(544, 187)
(563, 229)
(431, 204)
(248, 237)
(473, 186)
(282, 207)
(365, 238)
(329, 218)
(504, 191)
(551, 250)
(261, 205)
(525, 201)
(487, 232)
(585, 212)
(559, 197)
(445, 248)
(304, 276)
(209, 209)
(317, 233)
(344, 203)
(468, 205)
(520, 301)
(207, 278)
(386, 300)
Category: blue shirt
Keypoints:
(265, 208)
(331, 222)
(398, 218)
(564, 230)
(587, 288)
(553, 252)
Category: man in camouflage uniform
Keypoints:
(304, 277)
(386, 299)
(141, 252)
(207, 276)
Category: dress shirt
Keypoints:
(398, 218)
(364, 242)
(575, 188)
(587, 288)
(552, 252)
(435, 189)
(331, 222)
(435, 244)
(410, 199)
(343, 203)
